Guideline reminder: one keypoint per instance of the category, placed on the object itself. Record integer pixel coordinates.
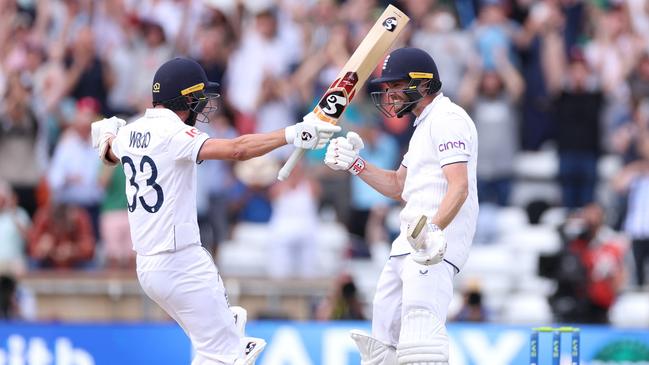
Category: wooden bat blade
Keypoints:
(355, 72)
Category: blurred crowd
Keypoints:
(570, 76)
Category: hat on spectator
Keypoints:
(88, 102)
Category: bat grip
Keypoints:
(290, 164)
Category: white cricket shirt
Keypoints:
(159, 154)
(444, 134)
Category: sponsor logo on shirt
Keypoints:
(450, 145)
(193, 132)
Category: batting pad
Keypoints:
(373, 351)
(423, 340)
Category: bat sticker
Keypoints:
(333, 104)
(390, 24)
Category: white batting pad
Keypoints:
(373, 351)
(422, 340)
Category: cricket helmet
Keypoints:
(414, 66)
(181, 84)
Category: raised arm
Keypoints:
(311, 133)
(242, 148)
(386, 182)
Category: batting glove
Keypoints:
(427, 241)
(310, 134)
(342, 154)
(102, 132)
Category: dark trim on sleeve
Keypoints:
(198, 162)
(404, 165)
(455, 267)
(453, 163)
(457, 270)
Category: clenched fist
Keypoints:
(342, 154)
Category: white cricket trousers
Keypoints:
(404, 285)
(187, 285)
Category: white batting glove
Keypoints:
(427, 241)
(342, 154)
(310, 134)
(102, 131)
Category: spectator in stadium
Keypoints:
(73, 174)
(544, 22)
(578, 102)
(258, 69)
(382, 150)
(87, 75)
(14, 226)
(151, 54)
(452, 47)
(61, 237)
(634, 179)
(491, 96)
(473, 309)
(9, 308)
(294, 226)
(114, 228)
(343, 303)
(590, 270)
(639, 78)
(212, 194)
(19, 164)
(248, 199)
(626, 138)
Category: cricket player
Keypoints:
(159, 152)
(437, 182)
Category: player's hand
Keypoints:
(310, 134)
(102, 132)
(342, 154)
(427, 241)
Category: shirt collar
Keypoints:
(429, 108)
(160, 113)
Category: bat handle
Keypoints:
(290, 164)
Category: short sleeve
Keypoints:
(453, 141)
(404, 160)
(114, 147)
(186, 143)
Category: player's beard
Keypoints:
(191, 119)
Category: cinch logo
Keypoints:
(448, 145)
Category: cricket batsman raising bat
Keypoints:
(437, 182)
(354, 74)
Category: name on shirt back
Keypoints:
(139, 139)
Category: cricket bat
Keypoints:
(354, 73)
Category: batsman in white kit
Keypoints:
(437, 182)
(160, 152)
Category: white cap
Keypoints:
(227, 7)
